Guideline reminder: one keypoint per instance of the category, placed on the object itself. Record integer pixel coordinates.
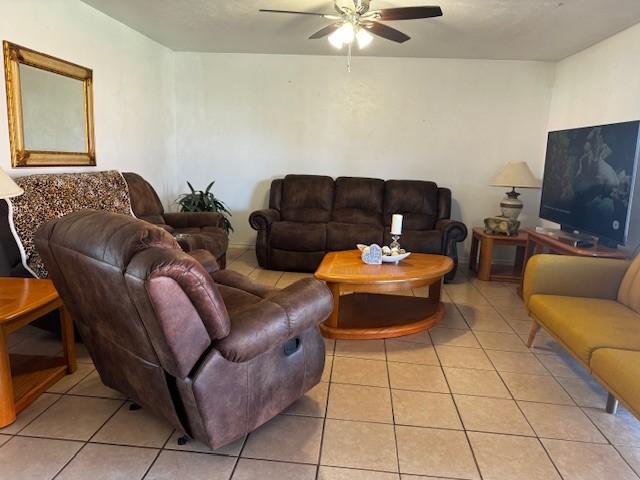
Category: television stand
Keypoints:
(576, 240)
(541, 241)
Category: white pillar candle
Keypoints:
(396, 224)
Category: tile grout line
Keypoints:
(237, 459)
(514, 401)
(393, 414)
(520, 409)
(158, 455)
(86, 442)
(455, 405)
(326, 407)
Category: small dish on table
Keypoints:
(387, 255)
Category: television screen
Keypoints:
(588, 181)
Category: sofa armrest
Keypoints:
(452, 231)
(573, 276)
(262, 219)
(194, 219)
(274, 320)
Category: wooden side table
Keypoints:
(24, 377)
(482, 244)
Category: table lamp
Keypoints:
(8, 188)
(514, 175)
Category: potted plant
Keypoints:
(205, 201)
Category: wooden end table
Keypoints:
(482, 244)
(24, 377)
(362, 305)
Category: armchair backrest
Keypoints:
(145, 203)
(146, 310)
(629, 292)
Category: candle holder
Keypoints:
(395, 243)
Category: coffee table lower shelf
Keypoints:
(374, 316)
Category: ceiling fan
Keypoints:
(360, 21)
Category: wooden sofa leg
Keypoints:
(612, 404)
(535, 326)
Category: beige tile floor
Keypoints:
(467, 400)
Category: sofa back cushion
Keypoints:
(144, 200)
(416, 200)
(358, 200)
(307, 198)
(629, 292)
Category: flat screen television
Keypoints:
(589, 179)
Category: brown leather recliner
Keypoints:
(212, 352)
(204, 227)
(309, 215)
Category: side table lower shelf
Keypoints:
(24, 377)
(31, 375)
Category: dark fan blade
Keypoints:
(409, 13)
(328, 30)
(298, 13)
(387, 32)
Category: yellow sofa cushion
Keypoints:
(585, 324)
(620, 371)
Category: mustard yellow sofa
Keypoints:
(591, 307)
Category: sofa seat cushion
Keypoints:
(620, 371)
(299, 236)
(345, 236)
(586, 324)
(419, 241)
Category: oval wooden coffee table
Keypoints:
(363, 306)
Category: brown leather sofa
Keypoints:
(203, 229)
(309, 215)
(212, 352)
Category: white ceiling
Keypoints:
(490, 29)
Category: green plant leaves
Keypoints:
(205, 201)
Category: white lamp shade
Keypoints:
(8, 187)
(516, 174)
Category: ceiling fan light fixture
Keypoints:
(335, 40)
(363, 38)
(343, 36)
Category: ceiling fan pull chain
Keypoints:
(349, 58)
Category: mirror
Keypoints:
(50, 109)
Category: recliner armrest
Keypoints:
(573, 276)
(206, 259)
(274, 320)
(452, 230)
(194, 219)
(262, 219)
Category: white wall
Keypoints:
(133, 83)
(598, 85)
(245, 119)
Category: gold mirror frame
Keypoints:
(14, 55)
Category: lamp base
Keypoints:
(511, 205)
